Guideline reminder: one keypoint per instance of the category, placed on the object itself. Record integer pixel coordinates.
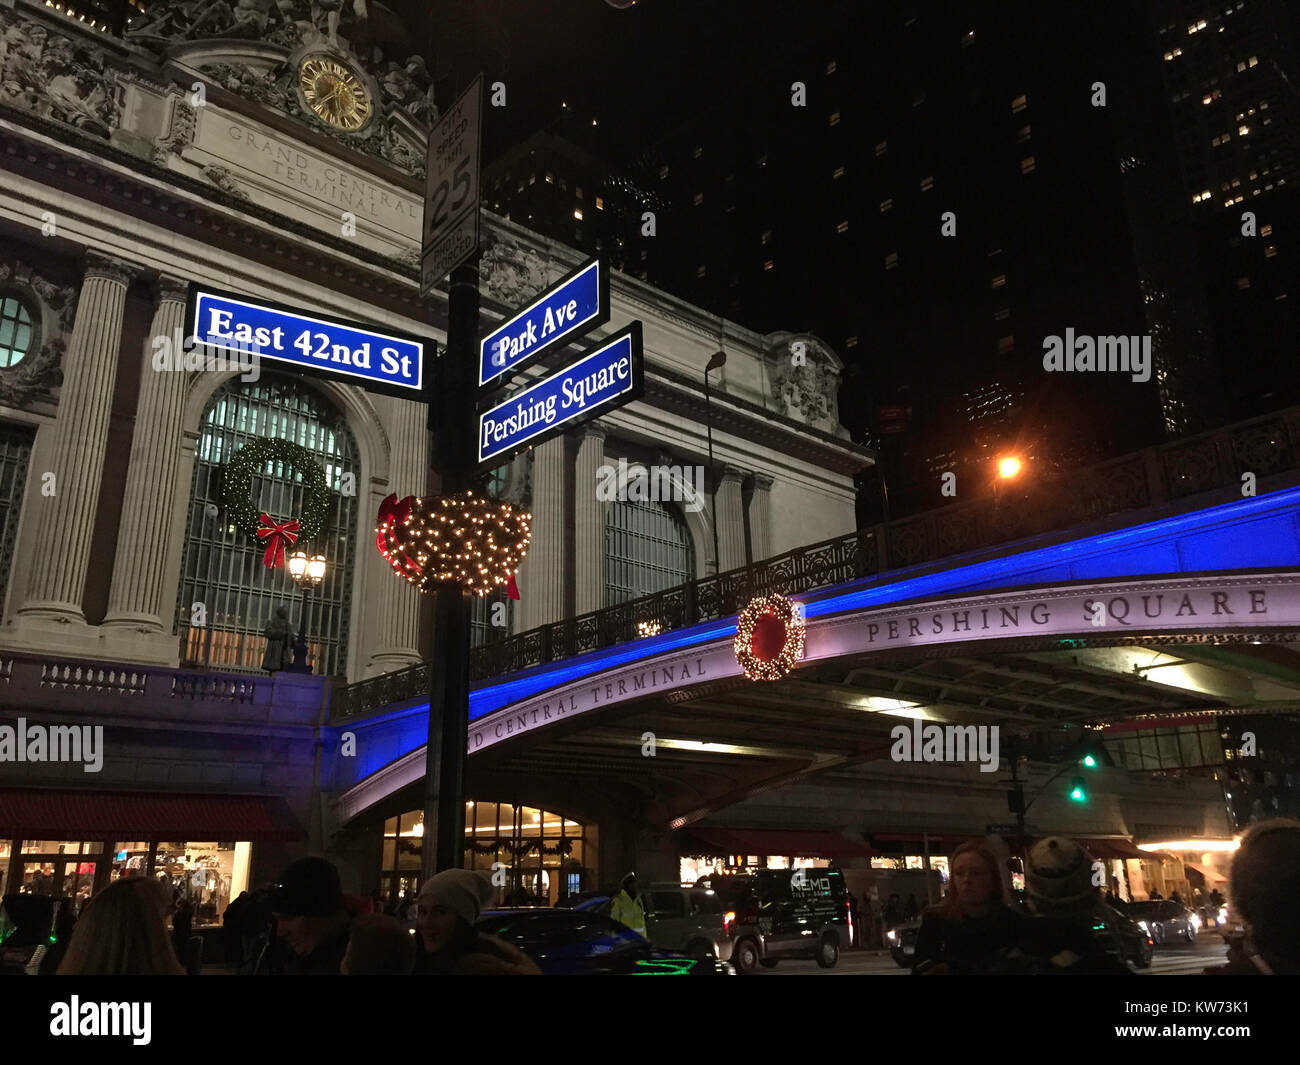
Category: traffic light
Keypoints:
(1089, 761)
(1078, 790)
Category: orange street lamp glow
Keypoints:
(1008, 467)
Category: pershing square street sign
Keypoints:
(607, 377)
(574, 306)
(332, 347)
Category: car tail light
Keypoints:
(728, 919)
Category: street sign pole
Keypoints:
(452, 421)
(451, 217)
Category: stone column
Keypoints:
(731, 520)
(143, 594)
(541, 578)
(589, 522)
(397, 613)
(65, 521)
(760, 516)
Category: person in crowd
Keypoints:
(122, 932)
(1155, 896)
(628, 907)
(913, 909)
(378, 946)
(311, 919)
(449, 905)
(1216, 898)
(1175, 897)
(1113, 898)
(1264, 885)
(231, 933)
(972, 929)
(182, 926)
(893, 911)
(1061, 936)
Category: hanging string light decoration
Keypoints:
(769, 637)
(466, 538)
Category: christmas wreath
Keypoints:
(769, 637)
(261, 528)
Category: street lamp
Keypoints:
(718, 360)
(1008, 467)
(307, 572)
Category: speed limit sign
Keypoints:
(451, 202)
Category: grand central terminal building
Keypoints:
(176, 152)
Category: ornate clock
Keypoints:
(334, 92)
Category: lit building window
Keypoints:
(766, 237)
(999, 281)
(1196, 27)
(1019, 104)
(577, 191)
(1022, 134)
(968, 38)
(830, 67)
(1210, 97)
(532, 179)
(16, 330)
(1006, 344)
(838, 172)
(886, 205)
(699, 198)
(834, 119)
(663, 173)
(600, 203)
(891, 260)
(1266, 229)
(1270, 250)
(1243, 282)
(1027, 165)
(1001, 314)
(1173, 55)
(882, 147)
(762, 161)
(769, 264)
(1242, 131)
(843, 227)
(577, 213)
(697, 153)
(927, 183)
(852, 342)
(700, 270)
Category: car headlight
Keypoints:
(1196, 922)
(892, 936)
(1144, 926)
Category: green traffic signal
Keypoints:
(1078, 790)
(1089, 761)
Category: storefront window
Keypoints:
(208, 874)
(58, 846)
(538, 854)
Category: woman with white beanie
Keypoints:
(449, 904)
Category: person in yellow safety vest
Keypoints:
(628, 907)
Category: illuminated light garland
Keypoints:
(648, 628)
(466, 539)
(250, 461)
(769, 637)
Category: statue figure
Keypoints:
(278, 633)
(332, 8)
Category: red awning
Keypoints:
(1104, 848)
(779, 842)
(37, 813)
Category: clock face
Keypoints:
(334, 93)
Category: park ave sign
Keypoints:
(1190, 605)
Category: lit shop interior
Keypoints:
(208, 874)
(542, 854)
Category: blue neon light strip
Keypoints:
(1258, 533)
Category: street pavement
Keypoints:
(1174, 960)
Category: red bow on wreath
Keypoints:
(393, 513)
(277, 537)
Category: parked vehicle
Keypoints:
(785, 914)
(901, 941)
(689, 919)
(568, 942)
(1166, 921)
(1136, 944)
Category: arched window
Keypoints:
(647, 549)
(15, 330)
(224, 573)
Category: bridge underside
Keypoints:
(718, 743)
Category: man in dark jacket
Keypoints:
(311, 919)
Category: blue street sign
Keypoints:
(333, 347)
(575, 305)
(608, 377)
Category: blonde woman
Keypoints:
(122, 931)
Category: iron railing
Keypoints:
(1264, 446)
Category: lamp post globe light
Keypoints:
(307, 571)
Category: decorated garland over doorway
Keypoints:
(261, 528)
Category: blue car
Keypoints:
(569, 942)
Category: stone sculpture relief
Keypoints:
(805, 388)
(510, 273)
(56, 77)
(40, 372)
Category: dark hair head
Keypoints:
(1266, 885)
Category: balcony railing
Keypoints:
(1214, 461)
